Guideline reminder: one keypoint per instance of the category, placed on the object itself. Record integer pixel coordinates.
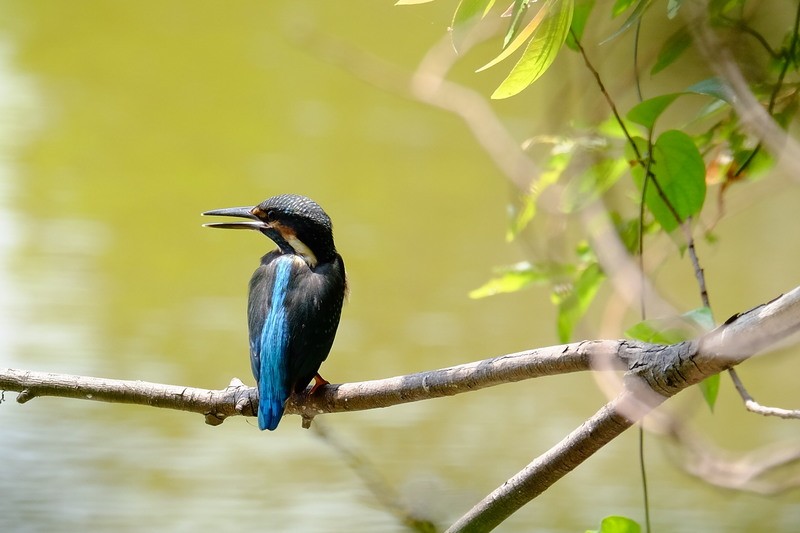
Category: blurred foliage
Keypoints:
(616, 524)
(660, 154)
(662, 172)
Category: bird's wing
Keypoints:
(314, 302)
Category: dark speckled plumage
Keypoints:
(296, 297)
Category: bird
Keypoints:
(295, 298)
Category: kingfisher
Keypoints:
(295, 298)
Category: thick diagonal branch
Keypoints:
(652, 379)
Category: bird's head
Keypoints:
(298, 225)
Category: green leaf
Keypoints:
(466, 15)
(617, 524)
(680, 175)
(710, 389)
(632, 19)
(620, 6)
(573, 306)
(647, 112)
(628, 231)
(521, 217)
(589, 185)
(675, 45)
(541, 50)
(518, 277)
(715, 87)
(655, 332)
(519, 8)
(523, 36)
(717, 8)
(702, 318)
(673, 330)
(560, 158)
(673, 6)
(579, 17)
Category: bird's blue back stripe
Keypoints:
(272, 390)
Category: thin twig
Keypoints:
(649, 175)
(755, 407)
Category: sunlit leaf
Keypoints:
(620, 6)
(673, 6)
(721, 7)
(540, 52)
(466, 15)
(679, 171)
(521, 217)
(591, 184)
(523, 36)
(633, 18)
(673, 47)
(579, 17)
(573, 306)
(520, 276)
(611, 128)
(555, 166)
(518, 10)
(617, 524)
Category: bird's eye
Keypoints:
(270, 214)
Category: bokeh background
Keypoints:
(121, 121)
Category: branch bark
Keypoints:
(654, 373)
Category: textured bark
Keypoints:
(654, 373)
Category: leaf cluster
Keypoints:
(664, 167)
(665, 174)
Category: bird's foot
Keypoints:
(319, 381)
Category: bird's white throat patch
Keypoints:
(301, 249)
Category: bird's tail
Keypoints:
(270, 410)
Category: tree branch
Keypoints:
(655, 372)
(754, 407)
(738, 339)
(666, 369)
(238, 399)
(546, 469)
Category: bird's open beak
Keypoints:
(242, 212)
